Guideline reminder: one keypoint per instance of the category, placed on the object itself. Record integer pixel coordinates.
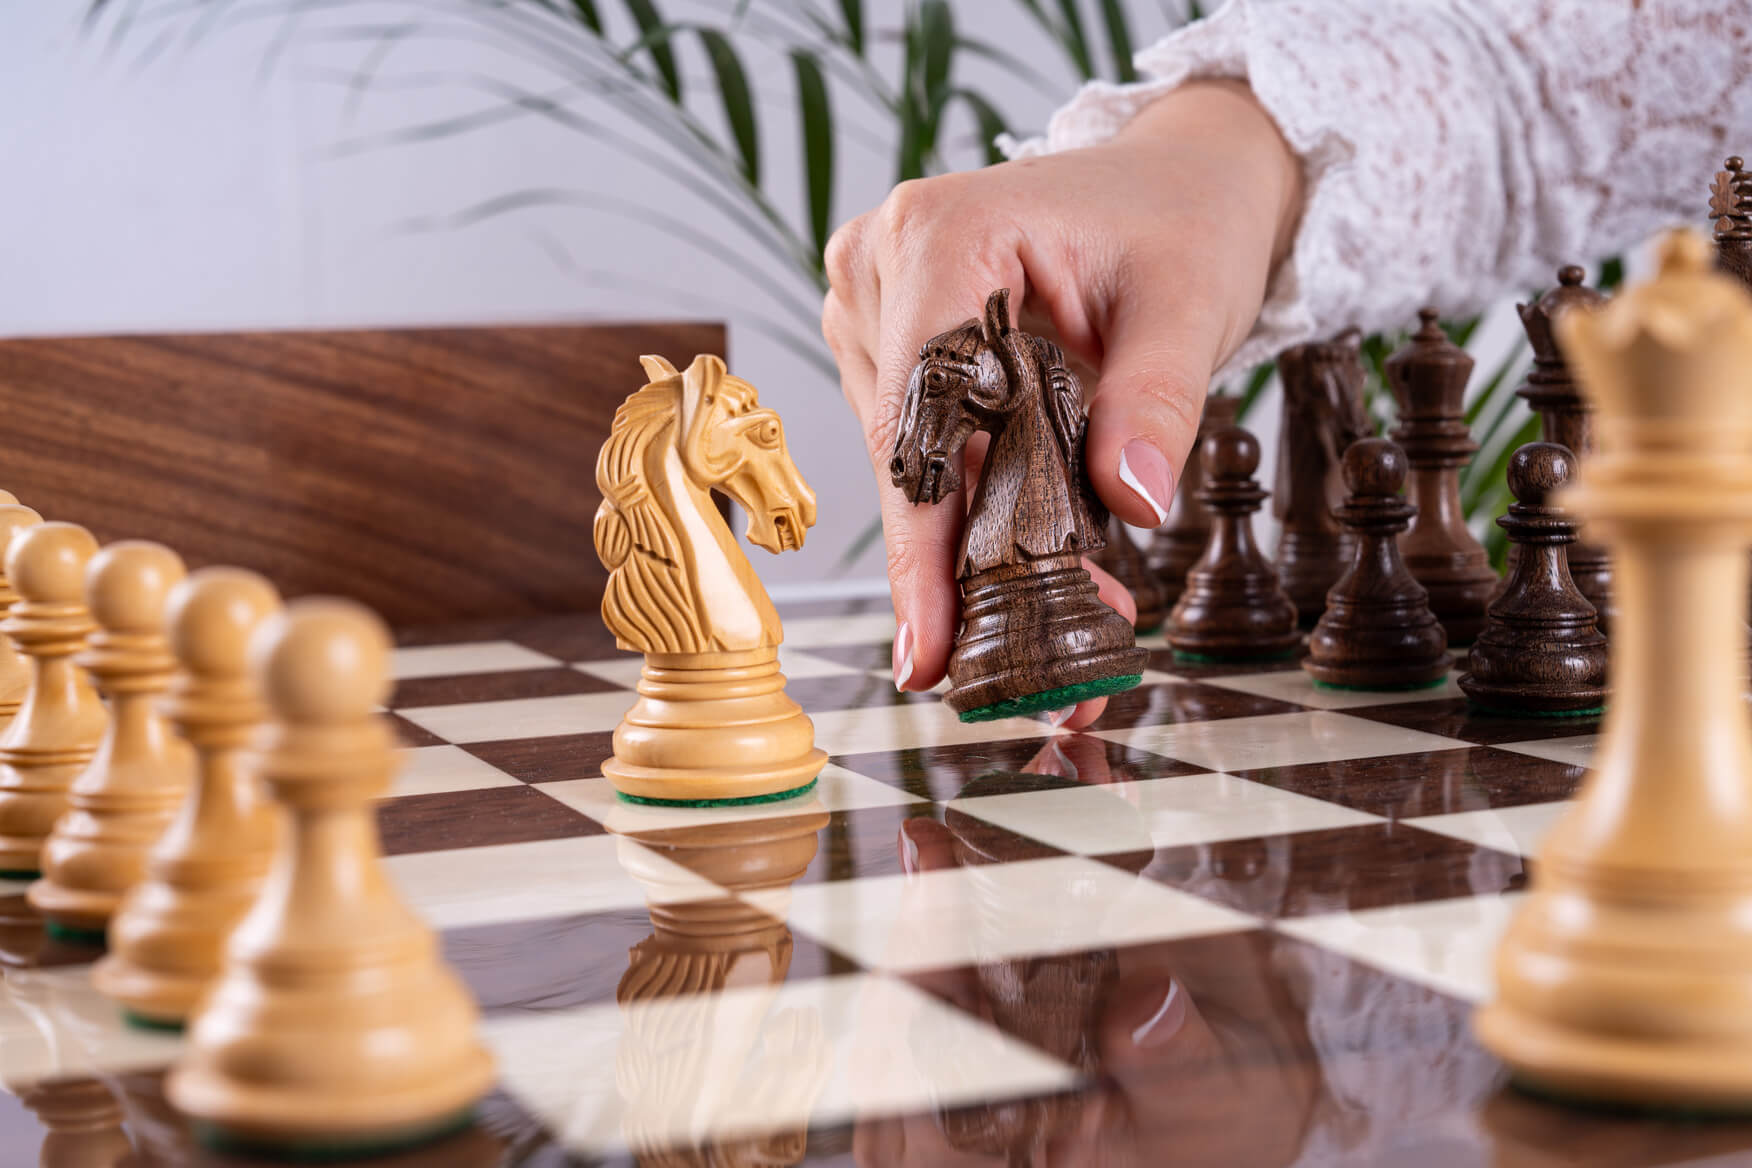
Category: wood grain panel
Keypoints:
(435, 474)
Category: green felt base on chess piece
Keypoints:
(330, 1151)
(1208, 659)
(88, 937)
(155, 1025)
(1500, 712)
(1411, 688)
(744, 801)
(18, 874)
(1053, 699)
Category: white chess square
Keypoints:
(870, 628)
(1158, 813)
(966, 916)
(696, 1069)
(55, 1025)
(836, 789)
(547, 878)
(1516, 830)
(1236, 744)
(910, 724)
(793, 663)
(1294, 685)
(522, 717)
(1448, 945)
(475, 657)
(436, 770)
(1577, 751)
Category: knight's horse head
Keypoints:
(965, 381)
(727, 441)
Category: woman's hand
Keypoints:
(1149, 258)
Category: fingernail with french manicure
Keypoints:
(1145, 470)
(1060, 717)
(903, 655)
(1165, 1021)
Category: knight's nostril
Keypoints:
(897, 466)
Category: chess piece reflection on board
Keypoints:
(1323, 415)
(1624, 977)
(1428, 379)
(712, 721)
(1233, 608)
(1180, 541)
(1377, 632)
(1034, 635)
(334, 1023)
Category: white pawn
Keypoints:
(14, 669)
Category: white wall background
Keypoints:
(218, 165)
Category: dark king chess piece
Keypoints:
(1539, 653)
(1566, 418)
(1124, 561)
(1323, 414)
(1180, 541)
(1730, 206)
(1233, 608)
(1034, 635)
(1378, 631)
(1428, 378)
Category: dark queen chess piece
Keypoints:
(1233, 608)
(1378, 631)
(1539, 653)
(1428, 378)
(1034, 635)
(1323, 414)
(1730, 206)
(1124, 561)
(1566, 418)
(1180, 541)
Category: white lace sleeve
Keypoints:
(1455, 150)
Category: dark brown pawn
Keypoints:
(1180, 541)
(1566, 418)
(1730, 205)
(1540, 652)
(1233, 607)
(1323, 414)
(1123, 560)
(1378, 631)
(1428, 378)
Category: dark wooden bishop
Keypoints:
(1378, 631)
(1124, 561)
(1540, 652)
(1323, 414)
(1180, 541)
(1233, 607)
(1730, 206)
(1428, 379)
(1566, 418)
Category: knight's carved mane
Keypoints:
(647, 603)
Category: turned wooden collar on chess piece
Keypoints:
(1625, 976)
(1539, 653)
(1179, 542)
(1378, 631)
(1566, 418)
(712, 723)
(1428, 379)
(1233, 608)
(1034, 635)
(1322, 415)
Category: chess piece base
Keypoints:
(1034, 636)
(712, 727)
(1459, 588)
(32, 797)
(1370, 651)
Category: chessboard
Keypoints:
(1238, 921)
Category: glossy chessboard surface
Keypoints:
(1240, 921)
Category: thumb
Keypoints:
(1144, 413)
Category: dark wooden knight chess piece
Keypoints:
(1730, 205)
(1378, 631)
(1233, 607)
(1179, 542)
(1428, 378)
(1323, 414)
(1539, 653)
(1034, 635)
(1566, 418)
(1124, 561)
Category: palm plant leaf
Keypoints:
(816, 111)
(738, 99)
(651, 26)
